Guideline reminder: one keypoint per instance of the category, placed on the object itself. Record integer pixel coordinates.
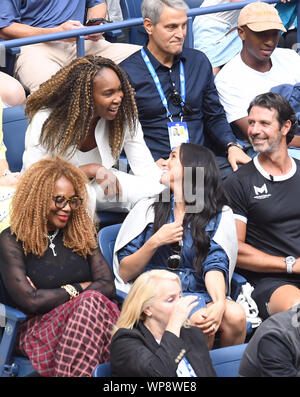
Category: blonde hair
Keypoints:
(31, 203)
(142, 292)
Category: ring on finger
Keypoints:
(213, 326)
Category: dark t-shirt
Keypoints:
(270, 207)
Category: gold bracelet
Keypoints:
(72, 291)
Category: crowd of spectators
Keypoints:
(212, 188)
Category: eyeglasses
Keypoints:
(174, 260)
(177, 100)
(61, 201)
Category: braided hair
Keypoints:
(69, 96)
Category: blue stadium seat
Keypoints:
(14, 130)
(107, 237)
(10, 319)
(132, 9)
(102, 371)
(226, 362)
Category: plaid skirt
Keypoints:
(72, 339)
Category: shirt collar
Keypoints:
(155, 62)
(275, 178)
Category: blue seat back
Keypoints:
(132, 9)
(226, 360)
(107, 237)
(194, 3)
(102, 371)
(14, 130)
(9, 323)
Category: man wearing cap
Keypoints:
(258, 67)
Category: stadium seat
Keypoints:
(102, 371)
(132, 9)
(226, 362)
(107, 237)
(14, 129)
(194, 3)
(9, 321)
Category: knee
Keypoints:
(235, 317)
(11, 90)
(13, 94)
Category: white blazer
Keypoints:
(144, 180)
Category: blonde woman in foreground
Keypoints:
(152, 336)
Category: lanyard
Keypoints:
(159, 87)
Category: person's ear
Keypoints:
(148, 25)
(286, 127)
(241, 33)
(147, 311)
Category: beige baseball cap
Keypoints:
(260, 16)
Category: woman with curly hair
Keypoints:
(52, 269)
(87, 113)
(190, 230)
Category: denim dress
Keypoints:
(192, 282)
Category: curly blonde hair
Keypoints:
(31, 204)
(69, 96)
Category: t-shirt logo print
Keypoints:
(261, 192)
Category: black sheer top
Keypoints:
(48, 274)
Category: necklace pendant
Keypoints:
(52, 246)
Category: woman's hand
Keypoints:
(209, 319)
(180, 313)
(108, 181)
(104, 177)
(169, 233)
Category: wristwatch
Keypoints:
(234, 144)
(290, 261)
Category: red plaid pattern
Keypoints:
(72, 339)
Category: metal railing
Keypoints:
(14, 45)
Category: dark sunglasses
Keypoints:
(177, 100)
(61, 201)
(174, 259)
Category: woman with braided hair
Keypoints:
(52, 269)
(87, 113)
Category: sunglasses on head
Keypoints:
(174, 259)
(177, 100)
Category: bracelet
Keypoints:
(72, 291)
